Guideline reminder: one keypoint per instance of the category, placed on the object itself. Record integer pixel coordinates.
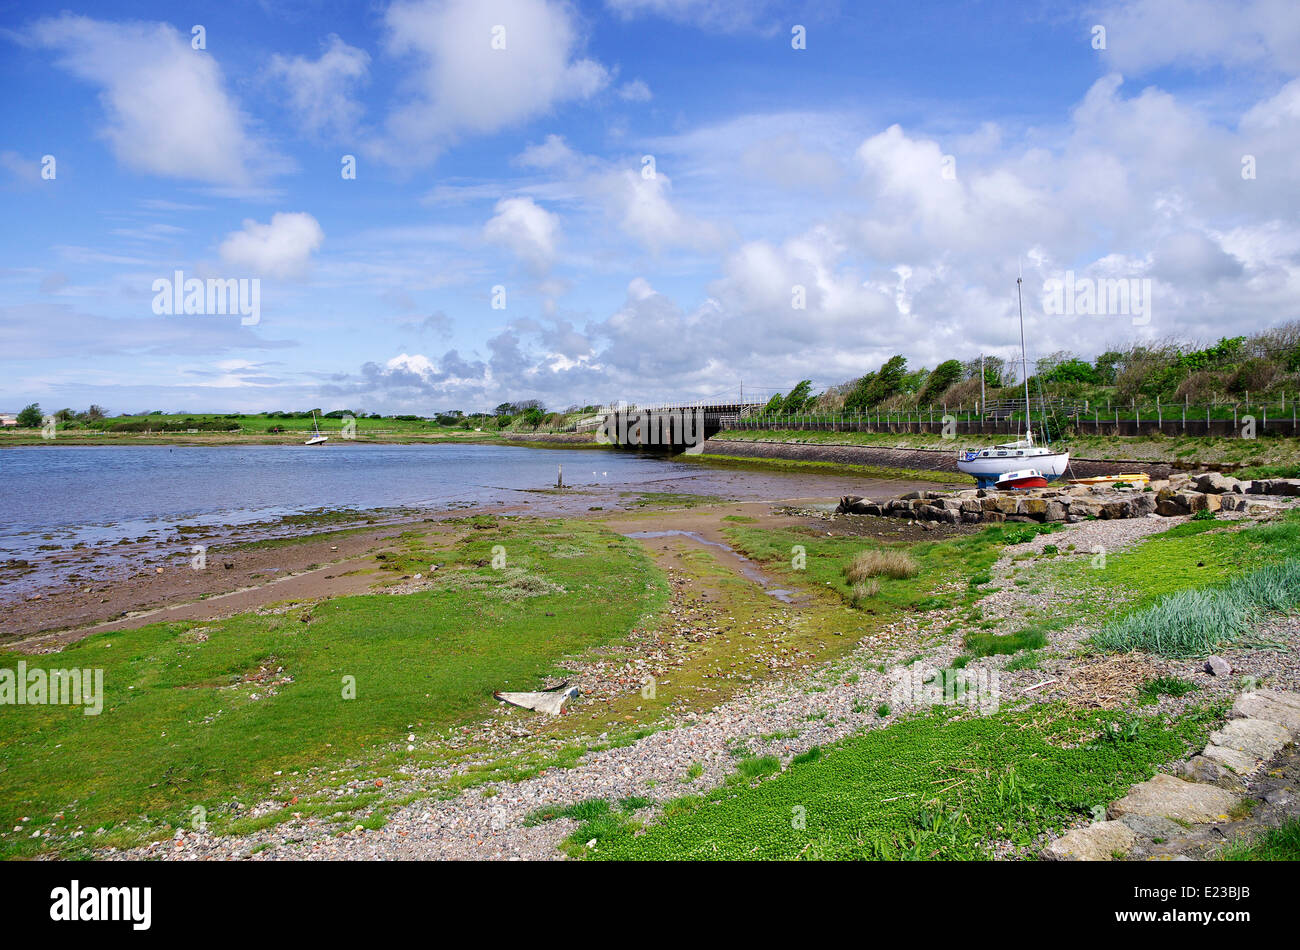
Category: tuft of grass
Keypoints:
(1029, 660)
(882, 562)
(882, 710)
(812, 755)
(982, 643)
(863, 591)
(1151, 691)
(1196, 622)
(754, 767)
(1277, 844)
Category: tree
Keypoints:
(532, 416)
(799, 396)
(940, 381)
(30, 417)
(774, 405)
(64, 415)
(95, 413)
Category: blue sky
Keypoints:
(897, 170)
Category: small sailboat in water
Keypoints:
(990, 466)
(317, 438)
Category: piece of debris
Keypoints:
(549, 701)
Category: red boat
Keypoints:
(1025, 478)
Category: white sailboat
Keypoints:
(988, 465)
(316, 438)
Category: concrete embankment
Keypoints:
(934, 460)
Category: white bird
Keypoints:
(550, 701)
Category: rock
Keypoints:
(1256, 737)
(1055, 511)
(1274, 486)
(1234, 503)
(1216, 484)
(1100, 841)
(1152, 826)
(1199, 768)
(1143, 503)
(1281, 708)
(1217, 666)
(1277, 796)
(1241, 763)
(1035, 508)
(1167, 797)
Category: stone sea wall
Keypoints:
(1179, 495)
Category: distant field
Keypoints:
(1264, 451)
(216, 428)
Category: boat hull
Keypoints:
(987, 469)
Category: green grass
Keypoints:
(1151, 691)
(828, 468)
(937, 563)
(1277, 844)
(181, 727)
(981, 643)
(928, 787)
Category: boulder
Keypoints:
(1215, 484)
(1055, 511)
(1143, 503)
(1274, 486)
(1217, 666)
(1199, 768)
(1151, 826)
(1100, 841)
(1035, 508)
(1164, 796)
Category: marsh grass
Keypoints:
(882, 562)
(1196, 622)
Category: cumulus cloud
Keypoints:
(479, 68)
(527, 230)
(282, 248)
(1145, 34)
(165, 103)
(321, 90)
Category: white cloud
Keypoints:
(635, 91)
(463, 86)
(528, 230)
(166, 104)
(320, 90)
(1145, 34)
(282, 248)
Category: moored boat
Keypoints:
(989, 465)
(1026, 478)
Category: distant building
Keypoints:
(8, 418)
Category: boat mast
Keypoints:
(1024, 361)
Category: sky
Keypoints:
(448, 204)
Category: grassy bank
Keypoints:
(200, 715)
(1263, 451)
(828, 468)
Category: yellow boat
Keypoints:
(1137, 478)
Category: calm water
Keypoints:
(105, 493)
